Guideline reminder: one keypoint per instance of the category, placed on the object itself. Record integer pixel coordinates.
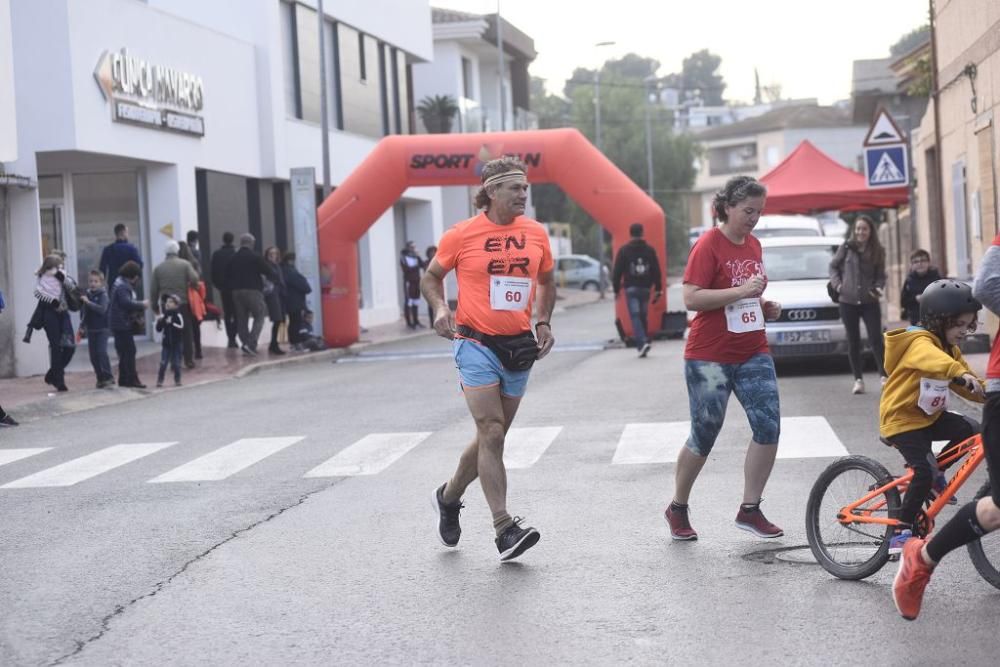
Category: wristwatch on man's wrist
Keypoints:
(542, 323)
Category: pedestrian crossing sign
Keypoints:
(886, 166)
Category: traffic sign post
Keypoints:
(887, 164)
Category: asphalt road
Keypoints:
(244, 557)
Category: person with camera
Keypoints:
(503, 262)
(857, 275)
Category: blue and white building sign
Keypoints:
(886, 166)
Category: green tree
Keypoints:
(698, 72)
(437, 113)
(910, 41)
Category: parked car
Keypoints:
(797, 272)
(581, 271)
(770, 226)
(695, 233)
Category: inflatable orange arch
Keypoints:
(561, 156)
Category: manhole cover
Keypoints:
(800, 555)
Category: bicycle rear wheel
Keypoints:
(853, 550)
(985, 552)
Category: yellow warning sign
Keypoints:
(168, 230)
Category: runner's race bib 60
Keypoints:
(508, 293)
(744, 316)
(933, 395)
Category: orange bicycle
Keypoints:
(854, 503)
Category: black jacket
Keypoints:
(913, 286)
(246, 269)
(637, 263)
(171, 323)
(296, 287)
(220, 265)
(124, 307)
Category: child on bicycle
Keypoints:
(924, 363)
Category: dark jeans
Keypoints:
(170, 353)
(637, 300)
(915, 446)
(294, 324)
(97, 345)
(188, 335)
(229, 315)
(249, 303)
(125, 347)
(851, 315)
(59, 331)
(196, 336)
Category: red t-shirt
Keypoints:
(716, 262)
(482, 253)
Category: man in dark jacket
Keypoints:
(245, 274)
(637, 263)
(297, 287)
(220, 279)
(115, 254)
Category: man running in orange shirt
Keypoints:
(502, 262)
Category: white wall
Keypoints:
(8, 112)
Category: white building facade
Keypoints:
(178, 115)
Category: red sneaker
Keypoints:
(753, 520)
(680, 526)
(911, 579)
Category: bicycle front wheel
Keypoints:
(985, 552)
(852, 550)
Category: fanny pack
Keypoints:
(516, 353)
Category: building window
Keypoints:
(362, 67)
(290, 60)
(732, 159)
(467, 78)
(335, 105)
(383, 89)
(396, 105)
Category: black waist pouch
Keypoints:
(517, 353)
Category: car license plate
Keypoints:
(808, 336)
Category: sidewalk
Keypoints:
(29, 398)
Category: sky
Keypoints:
(806, 46)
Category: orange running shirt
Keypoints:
(479, 251)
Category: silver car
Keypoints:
(798, 269)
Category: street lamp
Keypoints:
(649, 135)
(600, 147)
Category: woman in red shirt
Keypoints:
(727, 353)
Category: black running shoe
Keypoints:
(7, 420)
(516, 540)
(448, 529)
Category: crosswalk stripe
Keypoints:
(227, 460)
(657, 442)
(808, 437)
(91, 465)
(11, 455)
(523, 446)
(370, 455)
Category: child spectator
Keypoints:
(171, 323)
(307, 339)
(96, 323)
(924, 363)
(921, 275)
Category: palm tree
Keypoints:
(437, 113)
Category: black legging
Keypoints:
(59, 331)
(851, 315)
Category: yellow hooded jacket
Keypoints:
(912, 354)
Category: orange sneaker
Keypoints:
(911, 579)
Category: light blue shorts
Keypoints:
(479, 367)
(709, 385)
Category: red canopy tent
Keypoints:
(809, 181)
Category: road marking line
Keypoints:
(227, 460)
(524, 446)
(11, 455)
(370, 455)
(808, 437)
(91, 465)
(657, 442)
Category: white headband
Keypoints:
(504, 178)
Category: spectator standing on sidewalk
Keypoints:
(96, 323)
(116, 253)
(126, 318)
(174, 276)
(171, 324)
(54, 291)
(275, 296)
(5, 419)
(192, 242)
(411, 264)
(196, 295)
(921, 275)
(220, 278)
(637, 264)
(245, 275)
(296, 288)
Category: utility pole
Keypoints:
(649, 136)
(324, 121)
(600, 147)
(500, 69)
